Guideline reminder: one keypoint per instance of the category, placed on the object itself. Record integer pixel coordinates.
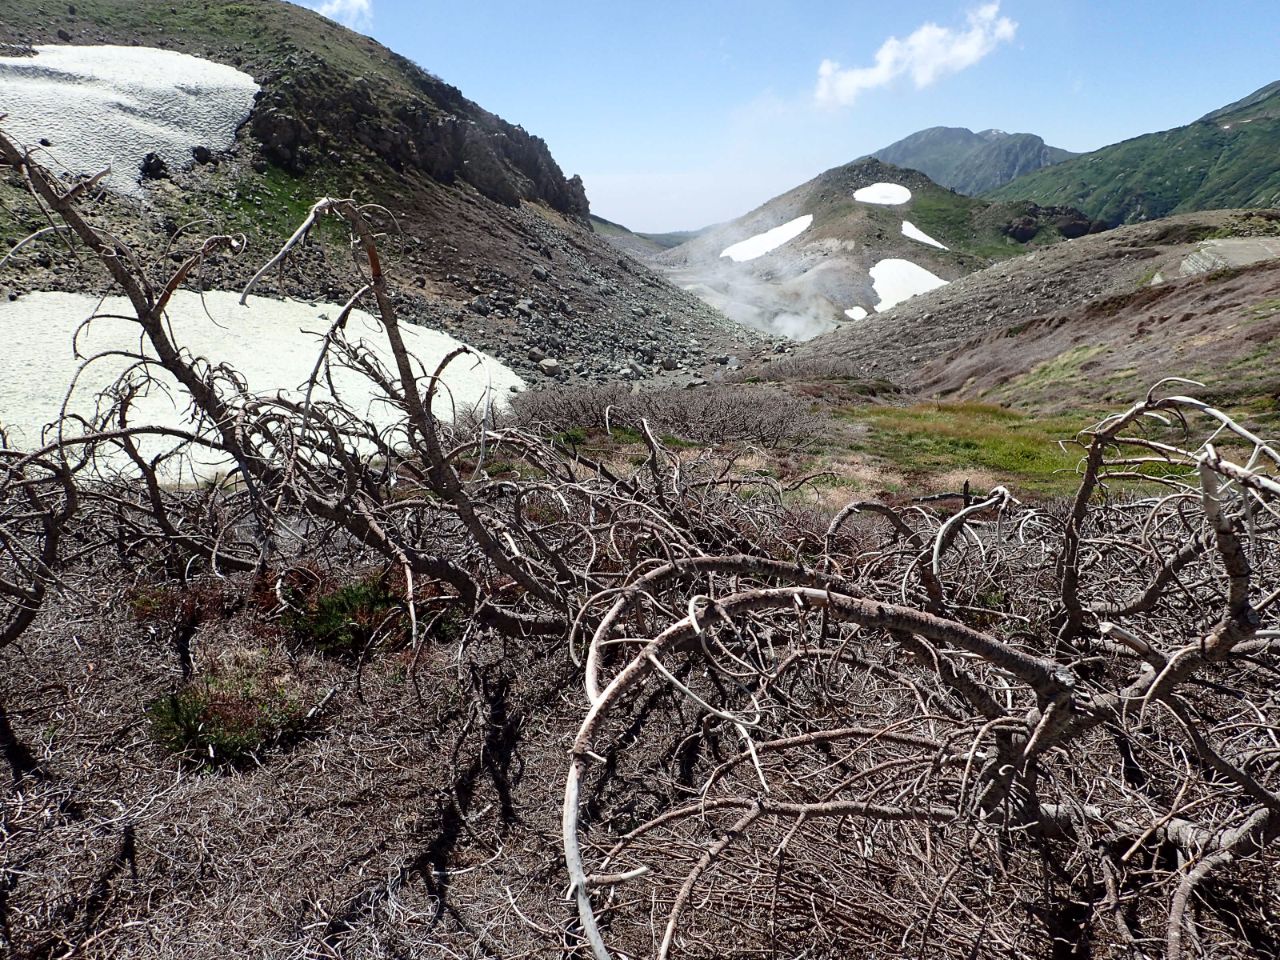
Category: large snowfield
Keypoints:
(101, 106)
(885, 194)
(762, 243)
(273, 344)
(897, 280)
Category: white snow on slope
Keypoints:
(762, 243)
(272, 343)
(897, 280)
(109, 105)
(912, 232)
(856, 313)
(887, 194)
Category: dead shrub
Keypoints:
(727, 413)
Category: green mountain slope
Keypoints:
(968, 162)
(1230, 158)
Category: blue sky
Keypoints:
(680, 114)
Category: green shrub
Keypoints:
(229, 716)
(343, 621)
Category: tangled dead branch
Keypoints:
(963, 727)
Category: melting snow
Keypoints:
(108, 105)
(856, 313)
(912, 232)
(898, 280)
(274, 344)
(762, 243)
(889, 194)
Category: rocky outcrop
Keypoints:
(430, 128)
(329, 97)
(1032, 218)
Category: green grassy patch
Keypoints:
(1061, 371)
(275, 203)
(1266, 308)
(932, 439)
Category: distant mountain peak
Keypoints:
(968, 162)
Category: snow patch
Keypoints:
(856, 313)
(897, 280)
(887, 194)
(273, 344)
(912, 232)
(762, 243)
(110, 106)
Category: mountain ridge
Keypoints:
(1226, 159)
(968, 162)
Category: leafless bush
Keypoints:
(826, 368)
(963, 728)
(716, 414)
(997, 730)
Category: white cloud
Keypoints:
(352, 13)
(927, 54)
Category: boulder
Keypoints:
(1072, 225)
(1022, 229)
(283, 137)
(154, 167)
